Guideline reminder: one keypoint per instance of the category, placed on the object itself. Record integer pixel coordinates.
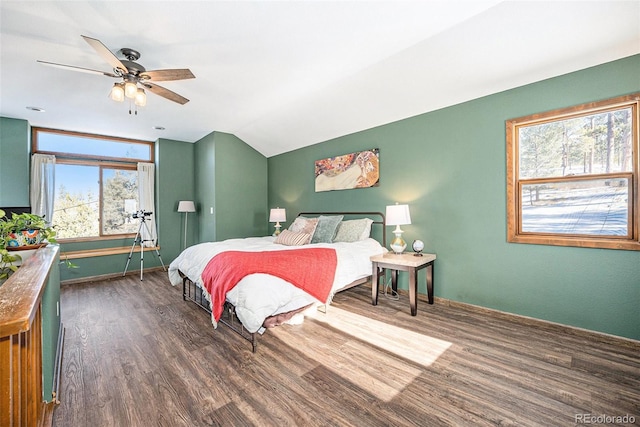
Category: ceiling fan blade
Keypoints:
(165, 93)
(105, 53)
(166, 75)
(74, 68)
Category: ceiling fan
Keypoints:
(132, 74)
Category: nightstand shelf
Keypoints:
(404, 262)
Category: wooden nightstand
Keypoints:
(403, 262)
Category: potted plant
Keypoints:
(25, 231)
(20, 232)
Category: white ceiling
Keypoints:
(282, 75)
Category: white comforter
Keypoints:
(259, 296)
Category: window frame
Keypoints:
(101, 162)
(515, 233)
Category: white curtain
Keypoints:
(146, 197)
(43, 185)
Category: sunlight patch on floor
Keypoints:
(382, 373)
(375, 373)
(418, 348)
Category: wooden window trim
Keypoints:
(36, 149)
(514, 184)
(101, 162)
(94, 162)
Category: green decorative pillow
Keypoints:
(326, 229)
(353, 230)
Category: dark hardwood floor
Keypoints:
(136, 354)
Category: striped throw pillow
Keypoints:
(292, 238)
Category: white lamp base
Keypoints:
(398, 245)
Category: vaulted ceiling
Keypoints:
(282, 75)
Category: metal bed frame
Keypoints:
(190, 292)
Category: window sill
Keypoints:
(90, 253)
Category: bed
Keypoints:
(256, 283)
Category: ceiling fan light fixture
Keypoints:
(141, 98)
(131, 73)
(130, 89)
(117, 92)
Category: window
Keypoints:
(572, 176)
(96, 182)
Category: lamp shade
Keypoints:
(398, 215)
(141, 98)
(186, 206)
(130, 89)
(117, 92)
(277, 215)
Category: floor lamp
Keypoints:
(186, 206)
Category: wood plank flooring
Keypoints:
(136, 354)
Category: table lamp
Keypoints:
(276, 215)
(398, 215)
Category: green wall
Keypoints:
(231, 179)
(175, 182)
(241, 189)
(14, 162)
(205, 168)
(450, 167)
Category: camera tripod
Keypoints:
(138, 239)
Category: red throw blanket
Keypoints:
(312, 270)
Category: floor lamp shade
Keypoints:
(186, 206)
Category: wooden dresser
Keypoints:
(30, 329)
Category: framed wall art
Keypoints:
(356, 170)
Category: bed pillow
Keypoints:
(354, 230)
(326, 229)
(292, 238)
(304, 225)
